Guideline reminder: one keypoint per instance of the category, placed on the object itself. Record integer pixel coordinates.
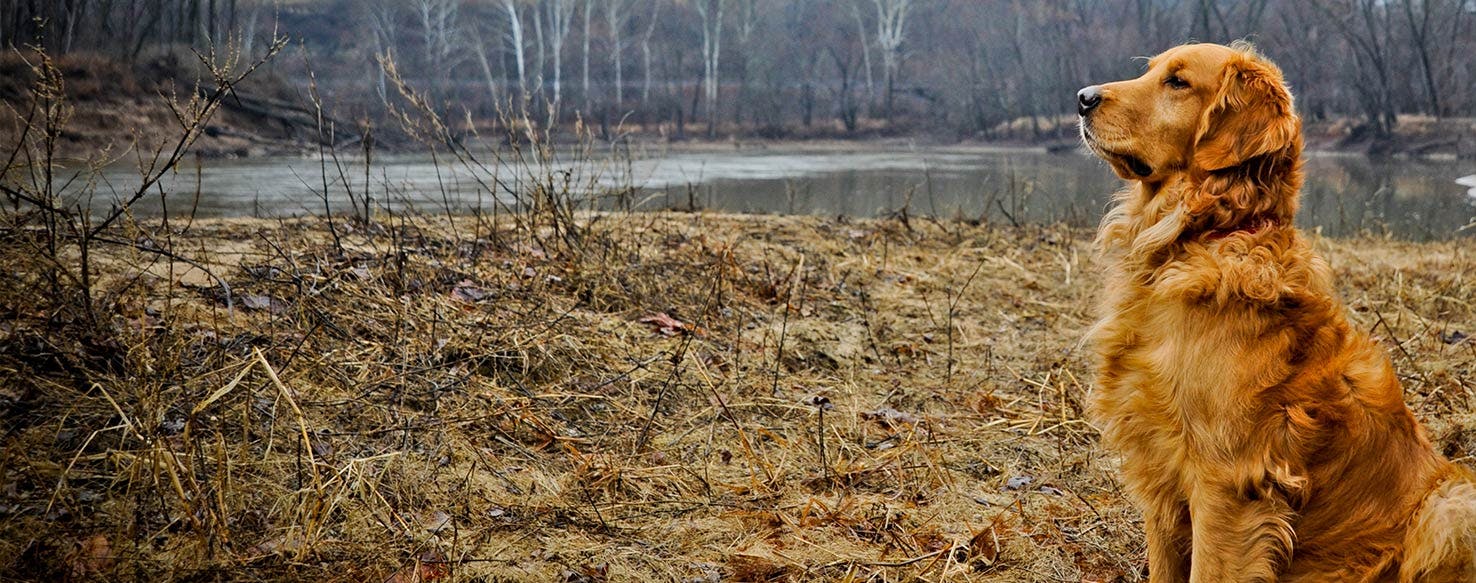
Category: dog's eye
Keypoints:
(1176, 82)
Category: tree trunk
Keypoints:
(538, 60)
(865, 57)
(711, 12)
(486, 67)
(615, 21)
(588, 7)
(646, 53)
(515, 24)
(1419, 32)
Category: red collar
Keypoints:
(1249, 228)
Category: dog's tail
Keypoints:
(1440, 545)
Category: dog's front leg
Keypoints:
(1167, 525)
(1238, 538)
(1165, 514)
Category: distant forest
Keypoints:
(993, 68)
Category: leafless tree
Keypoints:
(588, 9)
(617, 14)
(711, 13)
(748, 14)
(515, 40)
(980, 66)
(476, 31)
(383, 17)
(865, 49)
(1226, 20)
(1366, 25)
(560, 13)
(1432, 24)
(437, 19)
(646, 52)
(891, 30)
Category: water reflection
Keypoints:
(1343, 195)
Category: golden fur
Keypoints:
(1262, 436)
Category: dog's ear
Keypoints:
(1252, 115)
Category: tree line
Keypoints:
(995, 68)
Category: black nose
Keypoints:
(1088, 99)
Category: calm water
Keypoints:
(1343, 194)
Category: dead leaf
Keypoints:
(286, 542)
(93, 557)
(263, 303)
(435, 521)
(985, 546)
(467, 291)
(588, 574)
(669, 326)
(891, 417)
(430, 566)
(750, 567)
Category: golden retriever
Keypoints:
(1262, 436)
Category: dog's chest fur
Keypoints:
(1174, 389)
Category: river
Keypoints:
(1343, 195)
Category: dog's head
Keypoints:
(1198, 107)
(1219, 116)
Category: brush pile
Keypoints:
(682, 397)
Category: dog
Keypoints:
(1262, 436)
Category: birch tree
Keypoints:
(438, 34)
(560, 13)
(617, 13)
(891, 30)
(646, 52)
(588, 8)
(384, 24)
(711, 13)
(477, 36)
(515, 40)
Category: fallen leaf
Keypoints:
(752, 567)
(430, 566)
(588, 574)
(436, 521)
(667, 325)
(891, 417)
(286, 542)
(93, 557)
(467, 291)
(1018, 482)
(263, 303)
(985, 546)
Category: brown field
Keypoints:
(646, 397)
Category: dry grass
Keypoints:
(670, 397)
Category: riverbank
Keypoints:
(117, 106)
(663, 396)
